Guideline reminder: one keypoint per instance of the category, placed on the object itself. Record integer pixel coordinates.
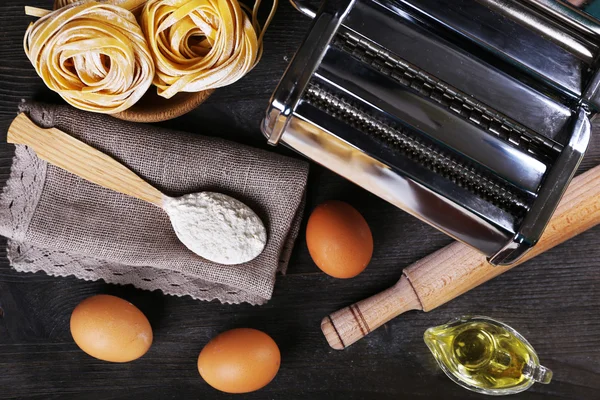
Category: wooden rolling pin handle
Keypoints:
(346, 326)
(457, 268)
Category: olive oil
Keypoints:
(485, 355)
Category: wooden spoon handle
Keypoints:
(457, 268)
(68, 153)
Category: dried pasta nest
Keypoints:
(191, 47)
(199, 45)
(93, 54)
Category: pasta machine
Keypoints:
(472, 115)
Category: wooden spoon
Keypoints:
(240, 239)
(458, 268)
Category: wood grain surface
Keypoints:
(553, 300)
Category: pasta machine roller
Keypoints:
(471, 115)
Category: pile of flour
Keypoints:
(217, 227)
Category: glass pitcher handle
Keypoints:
(541, 374)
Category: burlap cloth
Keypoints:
(64, 225)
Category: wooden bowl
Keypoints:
(151, 107)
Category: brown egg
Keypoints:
(110, 329)
(239, 361)
(339, 239)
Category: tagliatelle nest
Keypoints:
(202, 44)
(93, 54)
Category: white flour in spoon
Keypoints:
(217, 227)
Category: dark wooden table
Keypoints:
(553, 300)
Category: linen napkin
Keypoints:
(63, 225)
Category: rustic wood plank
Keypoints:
(553, 300)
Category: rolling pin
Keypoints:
(458, 268)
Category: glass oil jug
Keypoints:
(486, 356)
